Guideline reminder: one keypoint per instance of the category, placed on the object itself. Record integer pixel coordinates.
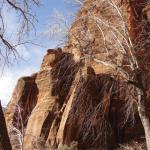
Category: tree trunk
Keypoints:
(144, 114)
(138, 26)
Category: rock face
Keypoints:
(68, 101)
(78, 95)
(4, 139)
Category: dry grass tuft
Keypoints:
(134, 145)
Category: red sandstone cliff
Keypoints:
(77, 95)
(63, 103)
(4, 138)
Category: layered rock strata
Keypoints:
(80, 93)
(66, 101)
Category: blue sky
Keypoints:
(32, 55)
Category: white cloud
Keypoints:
(32, 56)
(8, 80)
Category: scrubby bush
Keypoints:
(134, 145)
(73, 146)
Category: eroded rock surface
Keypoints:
(68, 101)
(79, 94)
(4, 138)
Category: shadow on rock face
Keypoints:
(4, 138)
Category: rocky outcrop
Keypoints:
(38, 100)
(68, 101)
(79, 93)
(4, 138)
(53, 84)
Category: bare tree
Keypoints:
(123, 38)
(123, 33)
(27, 19)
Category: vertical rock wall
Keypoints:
(4, 138)
(78, 95)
